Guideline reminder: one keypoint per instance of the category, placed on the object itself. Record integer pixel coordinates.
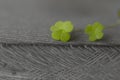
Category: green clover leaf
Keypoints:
(56, 35)
(61, 35)
(60, 25)
(57, 26)
(61, 30)
(65, 36)
(94, 31)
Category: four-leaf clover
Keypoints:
(94, 31)
(61, 30)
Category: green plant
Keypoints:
(61, 30)
(94, 31)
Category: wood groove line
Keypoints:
(59, 44)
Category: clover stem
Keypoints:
(108, 27)
(114, 25)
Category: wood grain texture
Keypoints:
(25, 62)
(27, 51)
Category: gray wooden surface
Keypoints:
(27, 51)
(29, 21)
(43, 62)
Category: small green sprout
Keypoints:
(94, 31)
(61, 31)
